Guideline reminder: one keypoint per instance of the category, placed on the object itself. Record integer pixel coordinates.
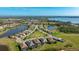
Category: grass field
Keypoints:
(10, 43)
(71, 43)
(72, 39)
(36, 34)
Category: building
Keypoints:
(24, 47)
(30, 44)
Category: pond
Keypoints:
(51, 27)
(14, 31)
(4, 47)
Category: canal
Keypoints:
(14, 31)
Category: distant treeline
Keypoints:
(67, 27)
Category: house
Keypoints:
(30, 44)
(36, 42)
(1, 27)
(45, 40)
(20, 36)
(24, 47)
(58, 39)
(48, 40)
(12, 37)
(23, 34)
(42, 40)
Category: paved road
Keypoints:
(37, 28)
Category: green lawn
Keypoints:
(72, 39)
(10, 43)
(71, 43)
(36, 34)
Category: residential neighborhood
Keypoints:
(39, 29)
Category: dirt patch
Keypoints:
(4, 47)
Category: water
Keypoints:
(14, 31)
(65, 19)
(51, 27)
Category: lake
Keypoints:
(65, 19)
(51, 27)
(14, 31)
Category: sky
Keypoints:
(39, 11)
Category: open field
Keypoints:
(71, 43)
(72, 39)
(11, 44)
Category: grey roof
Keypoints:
(30, 43)
(42, 40)
(57, 39)
(45, 40)
(36, 41)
